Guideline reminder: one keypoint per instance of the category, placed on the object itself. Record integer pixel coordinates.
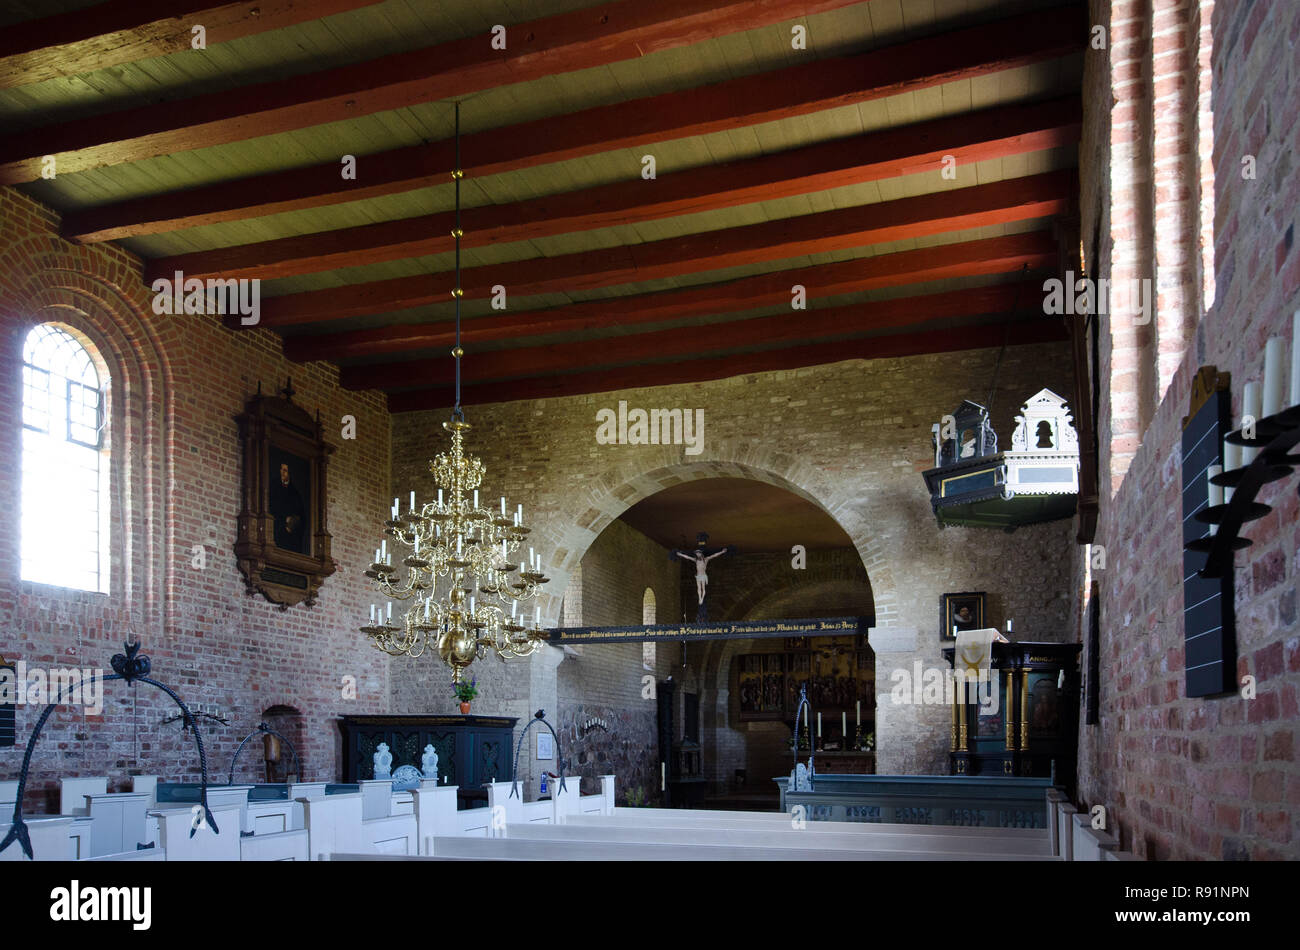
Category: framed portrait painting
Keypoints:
(283, 543)
(957, 612)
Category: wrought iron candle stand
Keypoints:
(262, 730)
(539, 716)
(1275, 436)
(812, 753)
(131, 667)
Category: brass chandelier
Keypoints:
(457, 541)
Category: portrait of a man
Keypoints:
(958, 612)
(290, 491)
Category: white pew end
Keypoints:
(73, 792)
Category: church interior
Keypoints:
(584, 430)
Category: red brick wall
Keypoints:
(177, 382)
(1204, 778)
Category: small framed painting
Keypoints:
(964, 611)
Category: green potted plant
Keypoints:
(465, 692)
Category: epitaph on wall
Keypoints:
(283, 541)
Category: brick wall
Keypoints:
(1206, 778)
(177, 384)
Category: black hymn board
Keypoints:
(1209, 629)
(7, 709)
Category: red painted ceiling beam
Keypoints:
(692, 371)
(582, 39)
(124, 31)
(1017, 199)
(1035, 250)
(700, 340)
(795, 91)
(992, 133)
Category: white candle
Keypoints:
(417, 545)
(1008, 625)
(503, 548)
(1214, 492)
(819, 725)
(503, 506)
(471, 605)
(1231, 461)
(530, 558)
(383, 550)
(412, 501)
(514, 605)
(372, 613)
(844, 724)
(663, 776)
(390, 610)
(519, 514)
(1295, 358)
(805, 720)
(537, 617)
(1251, 406)
(439, 497)
(858, 714)
(1274, 377)
(476, 498)
(376, 555)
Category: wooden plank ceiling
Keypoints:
(904, 169)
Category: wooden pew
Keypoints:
(1035, 839)
(917, 845)
(73, 792)
(577, 849)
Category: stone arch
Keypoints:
(572, 529)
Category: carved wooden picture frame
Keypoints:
(283, 539)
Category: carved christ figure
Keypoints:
(701, 575)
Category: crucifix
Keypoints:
(701, 557)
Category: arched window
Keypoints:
(648, 619)
(65, 467)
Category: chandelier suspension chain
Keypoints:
(457, 541)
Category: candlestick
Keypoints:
(1215, 492)
(1295, 359)
(1252, 405)
(1274, 377)
(1231, 461)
